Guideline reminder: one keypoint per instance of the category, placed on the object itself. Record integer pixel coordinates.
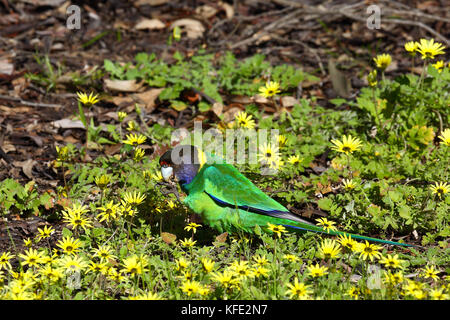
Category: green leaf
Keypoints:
(325, 204)
(66, 232)
(395, 196)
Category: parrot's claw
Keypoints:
(167, 188)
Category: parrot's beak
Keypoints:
(166, 173)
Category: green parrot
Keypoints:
(226, 200)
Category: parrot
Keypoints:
(229, 202)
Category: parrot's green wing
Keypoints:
(227, 186)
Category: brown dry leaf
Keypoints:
(194, 29)
(287, 101)
(123, 85)
(217, 108)
(112, 149)
(230, 114)
(44, 3)
(148, 98)
(68, 124)
(150, 2)
(229, 11)
(222, 237)
(27, 167)
(341, 83)
(168, 237)
(6, 67)
(206, 11)
(122, 101)
(260, 99)
(150, 24)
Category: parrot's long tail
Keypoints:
(302, 227)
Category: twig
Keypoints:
(29, 103)
(304, 45)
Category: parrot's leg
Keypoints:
(167, 188)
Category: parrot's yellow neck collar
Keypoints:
(201, 157)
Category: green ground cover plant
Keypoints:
(386, 175)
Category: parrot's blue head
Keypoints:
(182, 162)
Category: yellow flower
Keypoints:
(134, 265)
(241, 269)
(188, 243)
(440, 188)
(76, 219)
(32, 257)
(269, 155)
(430, 272)
(226, 279)
(445, 137)
(347, 145)
(134, 199)
(181, 264)
(348, 184)
(316, 271)
(132, 126)
(207, 264)
(394, 278)
(102, 181)
(52, 274)
(203, 291)
(428, 48)
(116, 276)
(438, 294)
(27, 243)
(4, 260)
(329, 249)
(121, 116)
(139, 154)
(270, 89)
(348, 243)
(291, 258)
(109, 212)
(177, 33)
(298, 290)
(276, 228)
(192, 226)
(260, 261)
(294, 159)
(72, 263)
(44, 233)
(326, 224)
(62, 153)
(146, 296)
(411, 47)
(243, 120)
(282, 140)
(372, 78)
(260, 272)
(134, 139)
(104, 252)
(414, 289)
(439, 65)
(382, 61)
(126, 209)
(368, 250)
(354, 292)
(87, 100)
(391, 261)
(69, 245)
(98, 267)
